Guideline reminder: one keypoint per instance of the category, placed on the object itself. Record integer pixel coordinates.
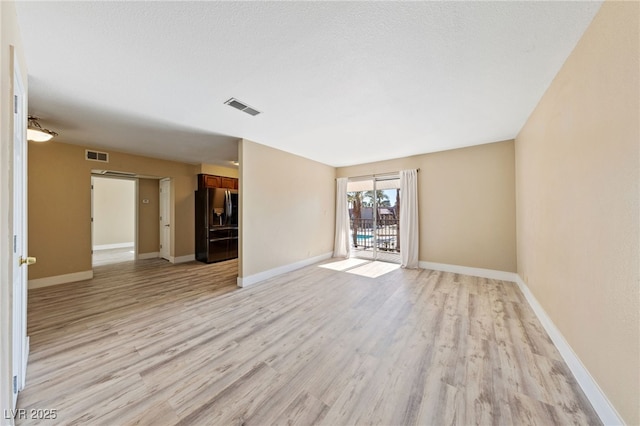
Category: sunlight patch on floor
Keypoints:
(374, 269)
(362, 267)
(343, 265)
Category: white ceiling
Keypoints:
(338, 82)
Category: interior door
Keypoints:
(92, 221)
(165, 219)
(19, 259)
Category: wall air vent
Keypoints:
(103, 157)
(242, 106)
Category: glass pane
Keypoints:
(361, 219)
(374, 216)
(387, 197)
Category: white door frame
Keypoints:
(165, 219)
(20, 342)
(136, 217)
(375, 250)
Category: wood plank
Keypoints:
(148, 342)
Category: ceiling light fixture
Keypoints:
(36, 133)
(233, 102)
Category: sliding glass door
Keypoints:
(374, 217)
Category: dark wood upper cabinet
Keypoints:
(209, 181)
(228, 182)
(212, 181)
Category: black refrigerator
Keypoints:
(216, 224)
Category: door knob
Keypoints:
(167, 226)
(27, 261)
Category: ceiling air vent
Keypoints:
(96, 156)
(242, 106)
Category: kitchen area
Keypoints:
(216, 218)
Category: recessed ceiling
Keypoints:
(338, 82)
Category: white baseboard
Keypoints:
(60, 279)
(182, 259)
(265, 275)
(475, 272)
(152, 255)
(599, 401)
(113, 246)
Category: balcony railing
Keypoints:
(386, 234)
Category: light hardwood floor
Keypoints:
(109, 256)
(147, 342)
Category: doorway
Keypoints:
(113, 220)
(374, 217)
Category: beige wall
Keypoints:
(183, 212)
(466, 202)
(212, 169)
(148, 216)
(114, 211)
(10, 42)
(577, 162)
(287, 208)
(60, 204)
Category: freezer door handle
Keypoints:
(229, 204)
